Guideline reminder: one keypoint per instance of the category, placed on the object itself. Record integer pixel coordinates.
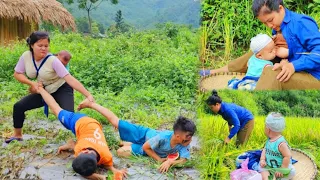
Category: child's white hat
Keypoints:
(275, 122)
(259, 42)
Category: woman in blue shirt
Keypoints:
(240, 120)
(301, 32)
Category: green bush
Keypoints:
(147, 76)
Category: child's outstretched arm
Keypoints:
(164, 167)
(147, 148)
(166, 164)
(96, 176)
(51, 102)
(68, 146)
(116, 172)
(109, 115)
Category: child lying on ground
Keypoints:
(276, 155)
(141, 140)
(91, 149)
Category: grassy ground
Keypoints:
(217, 161)
(17, 156)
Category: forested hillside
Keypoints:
(144, 14)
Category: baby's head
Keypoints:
(275, 124)
(64, 56)
(263, 47)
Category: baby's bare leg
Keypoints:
(265, 175)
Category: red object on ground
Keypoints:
(117, 176)
(173, 156)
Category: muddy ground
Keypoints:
(42, 162)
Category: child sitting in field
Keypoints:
(275, 159)
(264, 51)
(141, 140)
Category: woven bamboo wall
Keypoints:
(13, 29)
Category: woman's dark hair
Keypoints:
(185, 125)
(214, 98)
(271, 5)
(36, 36)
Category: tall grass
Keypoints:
(206, 32)
(218, 160)
(228, 38)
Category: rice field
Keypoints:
(218, 160)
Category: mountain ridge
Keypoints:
(144, 14)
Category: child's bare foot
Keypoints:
(121, 144)
(124, 143)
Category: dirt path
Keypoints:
(43, 163)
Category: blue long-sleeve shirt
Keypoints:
(235, 115)
(302, 35)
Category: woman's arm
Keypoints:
(24, 80)
(309, 37)
(75, 84)
(235, 122)
(62, 72)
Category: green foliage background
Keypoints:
(290, 103)
(217, 161)
(144, 14)
(149, 76)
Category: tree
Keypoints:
(82, 25)
(88, 5)
(102, 29)
(95, 28)
(119, 20)
(120, 26)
